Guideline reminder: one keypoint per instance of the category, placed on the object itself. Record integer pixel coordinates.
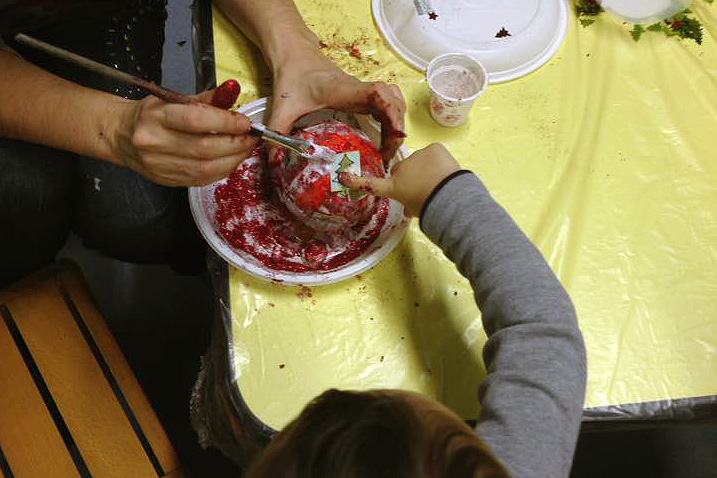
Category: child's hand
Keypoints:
(412, 180)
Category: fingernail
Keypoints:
(226, 94)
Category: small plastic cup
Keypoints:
(455, 81)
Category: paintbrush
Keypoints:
(303, 148)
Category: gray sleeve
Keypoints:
(532, 396)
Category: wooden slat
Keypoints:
(121, 370)
(75, 380)
(97, 395)
(29, 439)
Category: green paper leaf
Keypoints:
(345, 163)
(637, 32)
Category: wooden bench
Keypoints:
(70, 405)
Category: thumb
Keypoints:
(377, 186)
(281, 118)
(223, 96)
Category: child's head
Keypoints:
(381, 433)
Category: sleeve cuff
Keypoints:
(435, 191)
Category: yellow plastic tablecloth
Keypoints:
(606, 157)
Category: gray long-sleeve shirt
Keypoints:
(533, 394)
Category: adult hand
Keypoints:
(310, 82)
(190, 144)
(412, 180)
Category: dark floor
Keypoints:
(680, 452)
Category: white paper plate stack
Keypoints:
(203, 206)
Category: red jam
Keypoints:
(253, 218)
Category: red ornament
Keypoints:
(305, 187)
(252, 218)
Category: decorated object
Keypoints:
(311, 189)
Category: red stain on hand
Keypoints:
(389, 135)
(226, 94)
(378, 100)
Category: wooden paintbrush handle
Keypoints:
(158, 91)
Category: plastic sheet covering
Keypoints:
(218, 413)
(605, 157)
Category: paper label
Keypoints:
(348, 162)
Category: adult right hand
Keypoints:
(190, 144)
(412, 180)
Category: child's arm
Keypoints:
(533, 394)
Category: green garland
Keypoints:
(681, 24)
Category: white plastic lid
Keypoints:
(510, 37)
(644, 11)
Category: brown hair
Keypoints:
(372, 435)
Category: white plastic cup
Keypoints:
(455, 81)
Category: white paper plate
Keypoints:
(203, 206)
(537, 29)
